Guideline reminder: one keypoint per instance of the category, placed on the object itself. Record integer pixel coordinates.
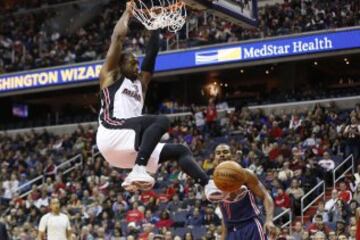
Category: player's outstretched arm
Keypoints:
(114, 53)
(260, 191)
(148, 64)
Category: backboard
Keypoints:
(242, 12)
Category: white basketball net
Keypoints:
(170, 14)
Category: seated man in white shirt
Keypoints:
(330, 204)
(43, 201)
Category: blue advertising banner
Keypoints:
(193, 58)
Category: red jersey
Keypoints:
(276, 132)
(211, 114)
(282, 201)
(134, 216)
(145, 196)
(345, 196)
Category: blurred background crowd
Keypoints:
(35, 34)
(290, 152)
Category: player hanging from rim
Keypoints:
(241, 216)
(126, 138)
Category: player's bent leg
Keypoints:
(188, 165)
(149, 129)
(153, 128)
(117, 146)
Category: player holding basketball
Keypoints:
(239, 209)
(126, 138)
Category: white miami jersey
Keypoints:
(121, 100)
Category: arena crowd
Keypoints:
(290, 152)
(27, 41)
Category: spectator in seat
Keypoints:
(332, 236)
(352, 135)
(340, 211)
(134, 215)
(340, 227)
(318, 225)
(165, 220)
(10, 186)
(295, 122)
(43, 201)
(150, 217)
(195, 218)
(321, 211)
(188, 236)
(210, 217)
(282, 199)
(308, 179)
(298, 231)
(356, 195)
(175, 205)
(319, 236)
(211, 116)
(133, 229)
(327, 166)
(285, 173)
(352, 233)
(352, 207)
(297, 163)
(296, 193)
(199, 119)
(168, 235)
(330, 204)
(190, 200)
(146, 196)
(342, 237)
(275, 132)
(306, 235)
(147, 228)
(344, 194)
(50, 169)
(357, 176)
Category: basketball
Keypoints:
(228, 176)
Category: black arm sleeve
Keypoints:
(151, 52)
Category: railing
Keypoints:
(94, 152)
(78, 160)
(64, 168)
(21, 188)
(339, 168)
(322, 194)
(288, 222)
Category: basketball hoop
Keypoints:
(170, 14)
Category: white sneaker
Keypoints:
(212, 193)
(140, 178)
